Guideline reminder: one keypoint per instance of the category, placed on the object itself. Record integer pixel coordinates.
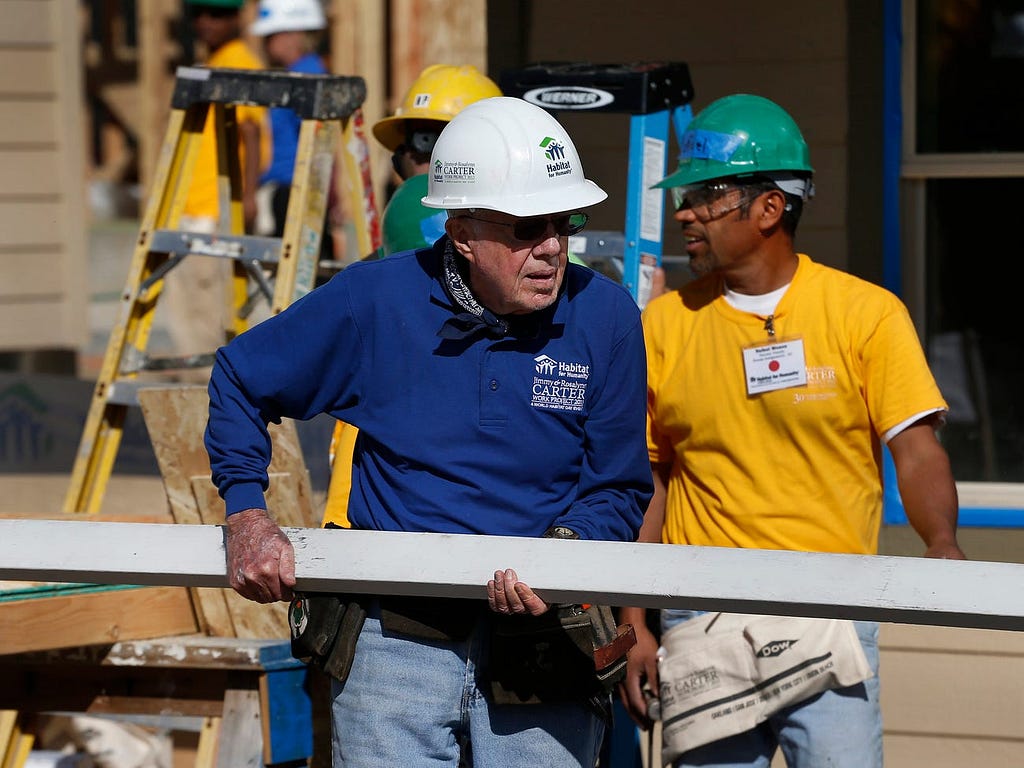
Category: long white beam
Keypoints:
(888, 589)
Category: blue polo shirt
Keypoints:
(502, 436)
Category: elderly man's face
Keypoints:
(509, 275)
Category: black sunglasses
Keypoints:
(532, 229)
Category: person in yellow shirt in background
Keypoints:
(439, 93)
(197, 289)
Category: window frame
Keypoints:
(906, 173)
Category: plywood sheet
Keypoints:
(98, 617)
(176, 420)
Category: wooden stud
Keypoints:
(889, 589)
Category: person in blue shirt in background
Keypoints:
(291, 31)
(498, 390)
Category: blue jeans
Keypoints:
(410, 702)
(840, 728)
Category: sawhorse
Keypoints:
(655, 95)
(254, 698)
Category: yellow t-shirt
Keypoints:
(202, 193)
(791, 469)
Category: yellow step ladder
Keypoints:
(329, 108)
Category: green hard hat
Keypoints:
(737, 135)
(406, 223)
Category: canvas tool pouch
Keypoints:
(570, 653)
(723, 673)
(324, 630)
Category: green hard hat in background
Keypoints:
(737, 135)
(406, 223)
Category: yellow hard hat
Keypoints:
(439, 93)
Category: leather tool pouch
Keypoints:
(570, 653)
(324, 631)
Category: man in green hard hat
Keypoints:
(773, 384)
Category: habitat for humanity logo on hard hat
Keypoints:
(554, 151)
(454, 172)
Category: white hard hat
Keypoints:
(504, 154)
(288, 16)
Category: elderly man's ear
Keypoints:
(459, 230)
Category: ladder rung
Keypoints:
(638, 89)
(311, 97)
(244, 247)
(124, 392)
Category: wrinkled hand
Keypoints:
(506, 594)
(260, 559)
(641, 668)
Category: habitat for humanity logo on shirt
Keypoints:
(559, 386)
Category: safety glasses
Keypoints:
(535, 228)
(707, 201)
(701, 195)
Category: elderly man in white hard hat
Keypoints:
(498, 390)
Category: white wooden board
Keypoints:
(890, 589)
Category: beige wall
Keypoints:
(42, 236)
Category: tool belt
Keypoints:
(570, 653)
(435, 619)
(324, 630)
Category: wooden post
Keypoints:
(358, 47)
(156, 81)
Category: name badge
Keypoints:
(776, 365)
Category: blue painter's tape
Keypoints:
(709, 145)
